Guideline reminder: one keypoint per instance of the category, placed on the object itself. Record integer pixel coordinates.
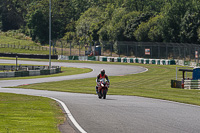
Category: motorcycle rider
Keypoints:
(99, 77)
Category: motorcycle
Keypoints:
(103, 88)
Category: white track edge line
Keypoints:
(70, 116)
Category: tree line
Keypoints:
(175, 21)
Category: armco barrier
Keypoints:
(44, 72)
(52, 71)
(10, 74)
(58, 70)
(38, 70)
(34, 72)
(21, 73)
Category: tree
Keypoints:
(38, 27)
(149, 31)
(12, 14)
(61, 16)
(190, 24)
(173, 13)
(89, 24)
(134, 23)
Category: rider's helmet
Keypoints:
(102, 72)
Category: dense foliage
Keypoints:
(105, 20)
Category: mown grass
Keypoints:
(21, 51)
(65, 71)
(29, 114)
(19, 40)
(11, 40)
(154, 83)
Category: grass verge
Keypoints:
(65, 71)
(154, 83)
(30, 114)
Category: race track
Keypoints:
(116, 114)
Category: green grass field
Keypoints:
(21, 51)
(65, 71)
(154, 83)
(11, 40)
(20, 113)
(29, 114)
(7, 38)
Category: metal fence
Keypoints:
(131, 49)
(39, 49)
(152, 50)
(159, 50)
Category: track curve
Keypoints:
(118, 113)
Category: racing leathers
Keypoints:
(99, 77)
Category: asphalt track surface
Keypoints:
(116, 114)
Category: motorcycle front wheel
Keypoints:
(99, 95)
(104, 94)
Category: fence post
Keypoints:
(111, 48)
(166, 51)
(70, 48)
(179, 51)
(79, 48)
(62, 48)
(16, 63)
(103, 49)
(136, 50)
(127, 50)
(118, 48)
(174, 52)
(190, 52)
(198, 57)
(184, 53)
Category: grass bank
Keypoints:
(22, 51)
(18, 39)
(7, 39)
(30, 114)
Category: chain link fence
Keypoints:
(154, 50)
(130, 49)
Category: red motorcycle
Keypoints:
(103, 88)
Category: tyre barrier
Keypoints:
(119, 59)
(192, 84)
(28, 71)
